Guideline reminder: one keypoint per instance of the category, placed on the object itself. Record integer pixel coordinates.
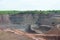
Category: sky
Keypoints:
(29, 4)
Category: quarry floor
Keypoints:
(9, 34)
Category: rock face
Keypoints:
(4, 19)
(38, 19)
(28, 19)
(45, 19)
(25, 19)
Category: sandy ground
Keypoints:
(8, 34)
(12, 36)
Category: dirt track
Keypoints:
(12, 36)
(28, 36)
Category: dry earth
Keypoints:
(12, 36)
(16, 34)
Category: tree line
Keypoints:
(30, 12)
